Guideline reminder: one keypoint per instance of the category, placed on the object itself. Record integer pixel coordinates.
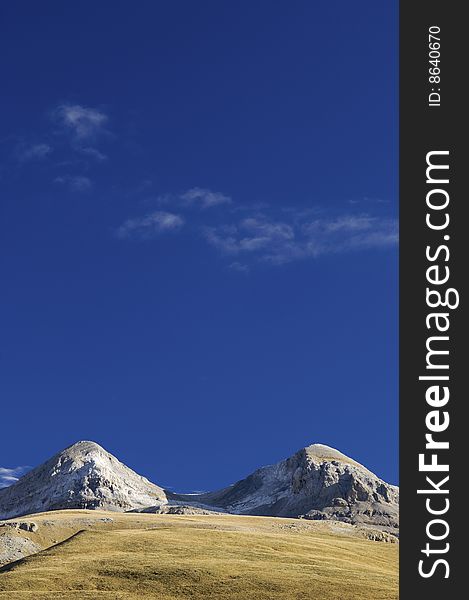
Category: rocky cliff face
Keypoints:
(317, 482)
(81, 476)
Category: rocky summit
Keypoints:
(81, 476)
(317, 483)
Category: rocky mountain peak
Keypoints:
(83, 447)
(317, 482)
(322, 453)
(84, 453)
(83, 475)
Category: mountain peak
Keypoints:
(321, 452)
(85, 444)
(84, 447)
(317, 482)
(83, 475)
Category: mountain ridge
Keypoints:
(317, 482)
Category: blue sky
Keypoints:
(199, 233)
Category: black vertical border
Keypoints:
(423, 129)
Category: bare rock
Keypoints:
(317, 483)
(81, 476)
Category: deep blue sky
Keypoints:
(198, 233)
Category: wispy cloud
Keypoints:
(368, 200)
(150, 225)
(75, 183)
(26, 152)
(269, 235)
(93, 153)
(205, 198)
(250, 235)
(277, 242)
(199, 197)
(82, 122)
(344, 223)
(240, 267)
(10, 476)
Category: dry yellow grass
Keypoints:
(169, 557)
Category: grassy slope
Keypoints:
(169, 557)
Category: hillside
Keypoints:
(128, 556)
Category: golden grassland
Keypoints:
(199, 557)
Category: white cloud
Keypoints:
(76, 183)
(10, 476)
(223, 238)
(240, 267)
(268, 229)
(351, 223)
(82, 122)
(368, 200)
(386, 233)
(204, 198)
(278, 242)
(250, 235)
(150, 225)
(274, 236)
(94, 153)
(26, 152)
